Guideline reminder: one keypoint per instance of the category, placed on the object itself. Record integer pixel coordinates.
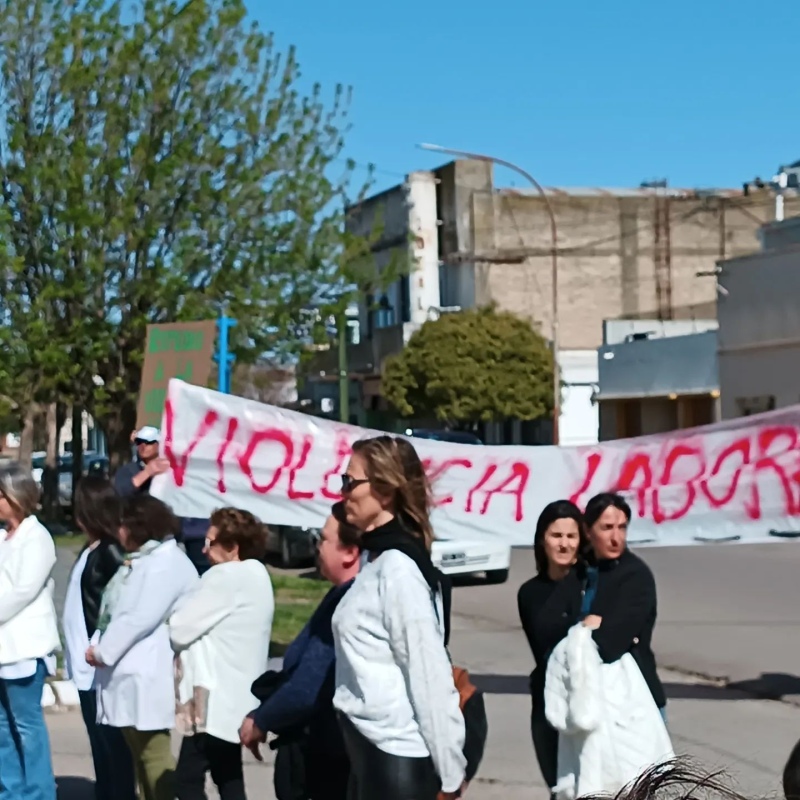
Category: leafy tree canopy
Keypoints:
(472, 366)
(157, 160)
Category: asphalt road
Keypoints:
(726, 611)
(729, 612)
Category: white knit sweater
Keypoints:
(394, 680)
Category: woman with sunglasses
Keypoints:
(397, 702)
(221, 636)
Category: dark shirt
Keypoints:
(626, 600)
(546, 612)
(191, 527)
(305, 699)
(123, 480)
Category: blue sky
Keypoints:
(585, 93)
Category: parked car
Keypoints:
(294, 546)
(457, 557)
(460, 557)
(456, 437)
(93, 464)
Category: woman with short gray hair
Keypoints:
(28, 638)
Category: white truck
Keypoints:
(464, 557)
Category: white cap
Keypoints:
(147, 434)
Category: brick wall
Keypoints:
(607, 255)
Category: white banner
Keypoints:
(733, 481)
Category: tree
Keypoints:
(472, 366)
(157, 162)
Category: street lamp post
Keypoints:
(554, 265)
(344, 376)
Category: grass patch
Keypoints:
(70, 541)
(296, 599)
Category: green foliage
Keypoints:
(155, 165)
(472, 366)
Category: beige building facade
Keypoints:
(622, 253)
(632, 254)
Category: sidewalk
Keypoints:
(722, 729)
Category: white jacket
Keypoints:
(135, 688)
(28, 623)
(394, 680)
(609, 728)
(222, 635)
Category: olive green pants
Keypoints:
(154, 763)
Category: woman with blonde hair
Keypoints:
(397, 702)
(28, 639)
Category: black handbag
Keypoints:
(267, 684)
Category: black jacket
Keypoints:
(546, 612)
(101, 564)
(123, 479)
(626, 600)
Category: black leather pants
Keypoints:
(375, 775)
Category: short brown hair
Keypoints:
(146, 518)
(238, 527)
(349, 535)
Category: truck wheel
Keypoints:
(496, 576)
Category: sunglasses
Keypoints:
(349, 483)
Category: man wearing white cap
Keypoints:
(138, 475)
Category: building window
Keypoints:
(384, 313)
(755, 405)
(404, 291)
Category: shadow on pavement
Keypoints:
(772, 686)
(502, 684)
(72, 788)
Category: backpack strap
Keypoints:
(447, 605)
(446, 588)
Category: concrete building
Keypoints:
(759, 324)
(657, 377)
(636, 254)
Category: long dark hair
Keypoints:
(97, 508)
(558, 509)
